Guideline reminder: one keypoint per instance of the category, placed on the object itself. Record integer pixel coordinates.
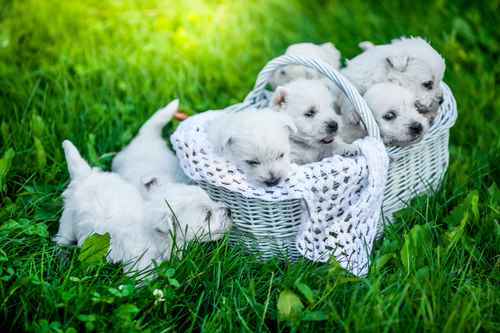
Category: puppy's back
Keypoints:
(104, 202)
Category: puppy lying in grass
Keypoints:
(256, 141)
(312, 107)
(153, 169)
(325, 52)
(408, 62)
(102, 202)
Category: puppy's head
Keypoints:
(421, 49)
(325, 52)
(394, 110)
(258, 143)
(184, 212)
(418, 76)
(312, 106)
(289, 73)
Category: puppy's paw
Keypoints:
(349, 150)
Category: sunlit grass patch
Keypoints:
(93, 71)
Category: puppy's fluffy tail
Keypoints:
(155, 124)
(77, 166)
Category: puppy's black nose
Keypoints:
(421, 108)
(416, 128)
(441, 100)
(272, 181)
(332, 126)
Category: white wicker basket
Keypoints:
(269, 226)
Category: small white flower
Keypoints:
(159, 296)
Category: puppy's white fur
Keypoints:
(188, 212)
(102, 202)
(409, 62)
(394, 110)
(149, 165)
(325, 52)
(147, 154)
(420, 48)
(142, 230)
(312, 106)
(256, 141)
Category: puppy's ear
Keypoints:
(346, 109)
(164, 224)
(331, 52)
(149, 182)
(398, 62)
(328, 46)
(288, 122)
(228, 142)
(279, 97)
(366, 45)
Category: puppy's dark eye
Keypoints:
(160, 231)
(310, 112)
(252, 163)
(389, 115)
(280, 156)
(283, 72)
(428, 85)
(336, 108)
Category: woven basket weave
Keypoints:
(269, 227)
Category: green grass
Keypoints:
(92, 71)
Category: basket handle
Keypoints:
(352, 94)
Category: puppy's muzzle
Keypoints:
(272, 181)
(415, 129)
(332, 127)
(422, 108)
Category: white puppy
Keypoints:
(148, 153)
(142, 231)
(394, 110)
(149, 165)
(325, 52)
(409, 62)
(312, 107)
(102, 202)
(256, 141)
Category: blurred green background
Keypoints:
(92, 72)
